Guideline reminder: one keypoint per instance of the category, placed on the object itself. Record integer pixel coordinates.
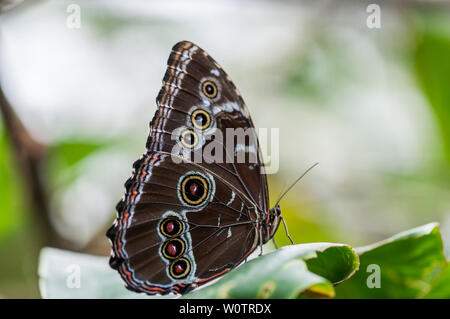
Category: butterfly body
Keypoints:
(184, 221)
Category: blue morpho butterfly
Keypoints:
(181, 223)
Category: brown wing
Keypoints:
(181, 95)
(188, 216)
(161, 223)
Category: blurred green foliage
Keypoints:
(20, 240)
(11, 210)
(321, 70)
(432, 65)
(65, 156)
(304, 222)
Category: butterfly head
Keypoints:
(276, 210)
(273, 221)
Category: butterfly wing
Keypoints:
(168, 240)
(182, 221)
(183, 95)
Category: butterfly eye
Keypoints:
(180, 268)
(189, 138)
(173, 248)
(200, 119)
(209, 89)
(194, 189)
(171, 227)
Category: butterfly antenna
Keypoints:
(282, 190)
(293, 184)
(284, 193)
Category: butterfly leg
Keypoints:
(287, 231)
(274, 243)
(260, 241)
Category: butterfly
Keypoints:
(182, 222)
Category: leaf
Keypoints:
(408, 263)
(432, 67)
(281, 274)
(441, 286)
(65, 274)
(11, 208)
(411, 265)
(287, 272)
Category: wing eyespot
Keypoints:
(180, 268)
(201, 119)
(171, 227)
(189, 138)
(197, 97)
(194, 190)
(173, 248)
(209, 89)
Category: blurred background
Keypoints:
(367, 99)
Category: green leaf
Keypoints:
(441, 286)
(288, 272)
(280, 274)
(65, 274)
(432, 67)
(408, 262)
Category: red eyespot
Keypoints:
(178, 269)
(193, 188)
(172, 250)
(171, 227)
